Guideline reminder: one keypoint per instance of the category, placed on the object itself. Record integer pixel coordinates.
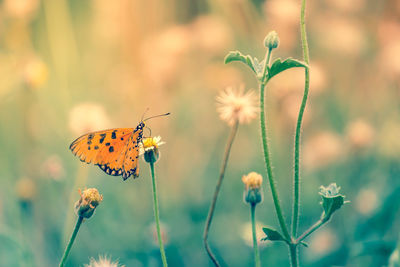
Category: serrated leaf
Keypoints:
(238, 56)
(272, 235)
(278, 66)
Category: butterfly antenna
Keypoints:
(144, 113)
(161, 115)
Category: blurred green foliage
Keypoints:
(70, 67)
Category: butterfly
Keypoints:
(115, 151)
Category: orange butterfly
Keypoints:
(115, 151)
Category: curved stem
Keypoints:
(216, 192)
(257, 262)
(296, 176)
(71, 241)
(157, 215)
(268, 164)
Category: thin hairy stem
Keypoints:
(157, 215)
(296, 175)
(257, 262)
(310, 230)
(217, 189)
(71, 241)
(267, 159)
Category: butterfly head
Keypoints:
(141, 125)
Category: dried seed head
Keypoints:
(86, 205)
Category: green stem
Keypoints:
(266, 64)
(296, 175)
(267, 159)
(257, 262)
(310, 230)
(293, 255)
(157, 215)
(71, 241)
(216, 192)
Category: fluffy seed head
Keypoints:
(236, 105)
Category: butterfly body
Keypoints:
(115, 151)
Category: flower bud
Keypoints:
(150, 150)
(90, 199)
(271, 41)
(151, 155)
(252, 192)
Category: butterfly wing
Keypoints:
(108, 149)
(125, 162)
(131, 161)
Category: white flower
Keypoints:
(103, 262)
(236, 105)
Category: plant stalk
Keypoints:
(296, 175)
(71, 241)
(310, 230)
(267, 159)
(293, 255)
(216, 192)
(157, 215)
(257, 262)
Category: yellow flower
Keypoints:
(149, 147)
(103, 262)
(237, 105)
(90, 199)
(252, 180)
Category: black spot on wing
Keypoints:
(114, 135)
(111, 149)
(102, 137)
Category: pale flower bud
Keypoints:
(252, 192)
(271, 41)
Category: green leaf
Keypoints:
(278, 66)
(272, 235)
(304, 244)
(238, 56)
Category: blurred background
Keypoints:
(71, 67)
